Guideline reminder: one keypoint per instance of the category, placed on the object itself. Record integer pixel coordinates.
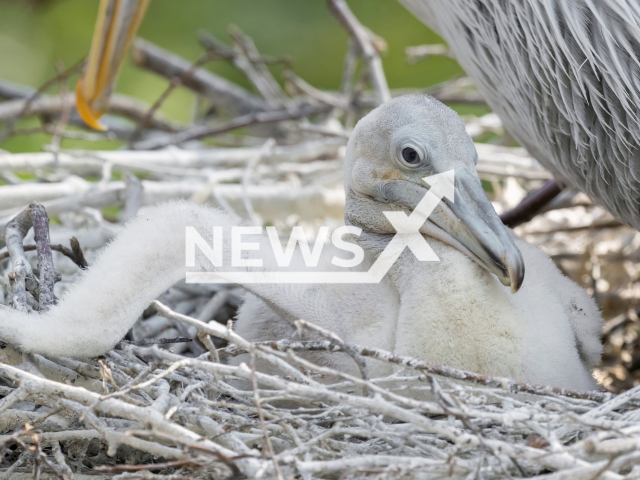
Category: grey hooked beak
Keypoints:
(469, 224)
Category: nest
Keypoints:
(145, 412)
(167, 404)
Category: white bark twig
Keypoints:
(23, 279)
(218, 90)
(14, 234)
(249, 119)
(48, 274)
(248, 59)
(90, 163)
(56, 104)
(361, 38)
(256, 402)
(418, 53)
(348, 349)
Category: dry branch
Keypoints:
(74, 253)
(200, 132)
(421, 52)
(53, 105)
(224, 51)
(27, 106)
(91, 162)
(248, 59)
(362, 39)
(22, 277)
(532, 204)
(48, 274)
(219, 91)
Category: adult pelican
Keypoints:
(563, 77)
(469, 310)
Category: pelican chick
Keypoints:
(459, 311)
(473, 309)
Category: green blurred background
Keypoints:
(34, 35)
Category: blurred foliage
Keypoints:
(34, 35)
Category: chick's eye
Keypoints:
(410, 155)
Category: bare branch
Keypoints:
(421, 52)
(532, 204)
(26, 106)
(219, 91)
(358, 33)
(55, 104)
(48, 274)
(200, 132)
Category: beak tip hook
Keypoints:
(86, 112)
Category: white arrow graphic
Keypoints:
(408, 236)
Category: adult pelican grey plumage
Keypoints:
(563, 76)
(469, 310)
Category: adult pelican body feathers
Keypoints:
(563, 76)
(459, 311)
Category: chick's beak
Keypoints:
(473, 221)
(468, 223)
(116, 26)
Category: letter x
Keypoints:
(408, 228)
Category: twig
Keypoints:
(216, 89)
(78, 256)
(283, 346)
(173, 84)
(90, 163)
(421, 52)
(315, 93)
(11, 91)
(48, 274)
(358, 33)
(26, 105)
(22, 279)
(579, 228)
(157, 341)
(226, 52)
(200, 132)
(351, 351)
(256, 402)
(52, 105)
(66, 112)
(49, 128)
(531, 205)
(74, 253)
(146, 466)
(441, 370)
(15, 232)
(248, 59)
